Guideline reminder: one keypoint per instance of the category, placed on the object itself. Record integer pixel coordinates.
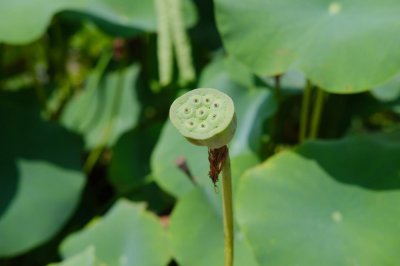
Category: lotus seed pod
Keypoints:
(204, 116)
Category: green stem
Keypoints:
(95, 154)
(305, 106)
(277, 79)
(92, 158)
(228, 211)
(34, 54)
(316, 118)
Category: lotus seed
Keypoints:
(185, 111)
(214, 119)
(190, 124)
(217, 104)
(203, 127)
(207, 99)
(195, 100)
(202, 113)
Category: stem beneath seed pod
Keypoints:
(228, 211)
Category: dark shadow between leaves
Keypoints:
(24, 135)
(371, 162)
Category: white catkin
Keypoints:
(164, 43)
(181, 42)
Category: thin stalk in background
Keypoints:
(35, 56)
(96, 153)
(228, 212)
(275, 123)
(305, 107)
(317, 112)
(277, 80)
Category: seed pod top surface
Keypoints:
(205, 116)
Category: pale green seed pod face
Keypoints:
(205, 117)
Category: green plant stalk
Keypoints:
(316, 118)
(305, 106)
(277, 80)
(92, 158)
(228, 212)
(34, 53)
(95, 154)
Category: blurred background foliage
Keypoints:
(92, 173)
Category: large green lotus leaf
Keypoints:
(41, 178)
(196, 232)
(106, 108)
(297, 210)
(124, 17)
(342, 46)
(126, 235)
(252, 105)
(85, 258)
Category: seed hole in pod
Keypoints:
(202, 113)
(203, 127)
(195, 100)
(214, 117)
(185, 111)
(207, 99)
(190, 124)
(216, 105)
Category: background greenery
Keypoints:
(91, 170)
